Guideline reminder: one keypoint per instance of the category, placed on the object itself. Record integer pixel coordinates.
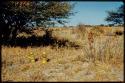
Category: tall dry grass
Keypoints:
(100, 57)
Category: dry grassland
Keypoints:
(99, 57)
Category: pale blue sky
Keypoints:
(92, 13)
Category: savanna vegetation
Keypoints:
(48, 53)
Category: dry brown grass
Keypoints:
(99, 59)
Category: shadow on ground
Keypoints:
(36, 41)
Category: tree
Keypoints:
(15, 15)
(116, 17)
(50, 13)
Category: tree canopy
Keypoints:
(15, 14)
(48, 13)
(116, 17)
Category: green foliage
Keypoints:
(50, 13)
(116, 17)
(15, 15)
